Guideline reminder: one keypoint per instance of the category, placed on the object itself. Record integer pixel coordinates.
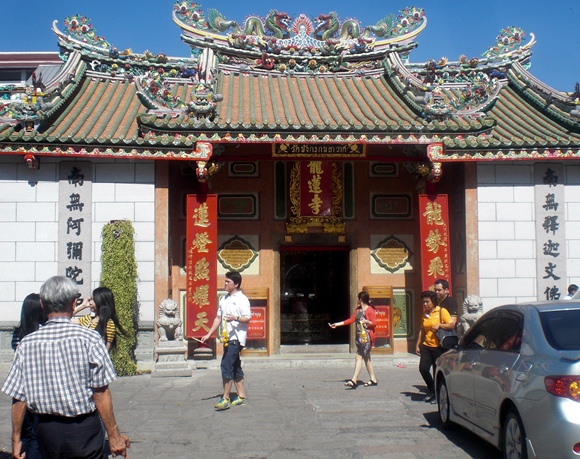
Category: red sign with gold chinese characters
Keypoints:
(201, 264)
(315, 188)
(435, 247)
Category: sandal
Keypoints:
(351, 384)
(371, 383)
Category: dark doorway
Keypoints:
(314, 289)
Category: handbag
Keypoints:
(442, 334)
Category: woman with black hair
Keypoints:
(103, 316)
(434, 318)
(32, 317)
(366, 320)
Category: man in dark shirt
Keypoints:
(62, 372)
(444, 299)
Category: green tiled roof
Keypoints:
(303, 104)
(103, 113)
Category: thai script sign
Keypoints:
(383, 327)
(257, 326)
(296, 150)
(382, 300)
(201, 264)
(434, 230)
(391, 254)
(236, 254)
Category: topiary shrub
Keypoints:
(119, 273)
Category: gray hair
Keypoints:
(57, 294)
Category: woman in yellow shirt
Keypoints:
(428, 348)
(103, 316)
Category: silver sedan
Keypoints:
(514, 380)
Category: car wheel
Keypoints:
(443, 405)
(514, 437)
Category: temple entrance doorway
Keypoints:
(314, 290)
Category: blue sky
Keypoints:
(454, 27)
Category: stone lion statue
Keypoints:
(472, 310)
(169, 325)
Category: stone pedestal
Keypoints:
(145, 346)
(171, 360)
(203, 353)
(203, 356)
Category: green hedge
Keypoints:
(119, 273)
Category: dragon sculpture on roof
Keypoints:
(274, 33)
(276, 23)
(328, 26)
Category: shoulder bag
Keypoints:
(442, 333)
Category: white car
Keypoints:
(514, 380)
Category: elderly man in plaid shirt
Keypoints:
(62, 372)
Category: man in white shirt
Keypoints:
(232, 318)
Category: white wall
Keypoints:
(29, 231)
(507, 231)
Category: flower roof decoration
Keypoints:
(189, 12)
(408, 20)
(80, 27)
(508, 41)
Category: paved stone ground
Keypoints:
(295, 410)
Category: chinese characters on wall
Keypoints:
(201, 264)
(550, 231)
(435, 249)
(316, 188)
(74, 223)
(316, 196)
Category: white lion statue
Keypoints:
(169, 325)
(472, 310)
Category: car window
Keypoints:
(479, 335)
(562, 329)
(507, 334)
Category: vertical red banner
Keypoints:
(315, 188)
(435, 240)
(201, 264)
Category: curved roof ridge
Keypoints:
(564, 113)
(280, 33)
(508, 50)
(99, 48)
(67, 86)
(473, 96)
(539, 85)
(66, 68)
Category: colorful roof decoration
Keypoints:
(278, 33)
(289, 79)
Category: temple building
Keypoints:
(310, 154)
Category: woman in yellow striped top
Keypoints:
(103, 316)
